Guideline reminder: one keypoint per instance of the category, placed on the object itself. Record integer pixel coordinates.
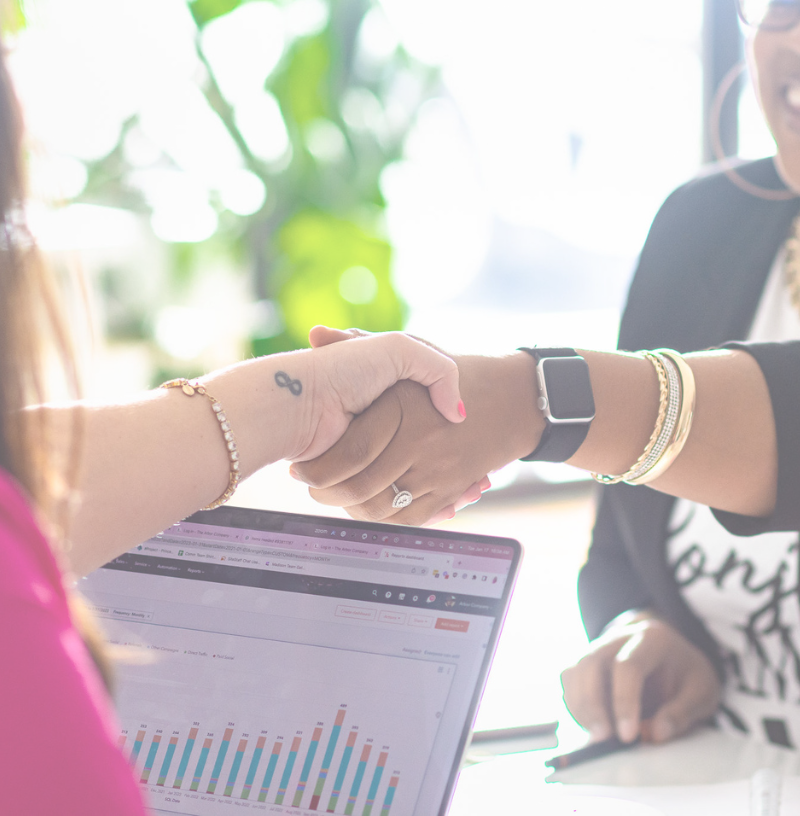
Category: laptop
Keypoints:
(297, 664)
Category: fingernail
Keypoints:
(294, 474)
(485, 484)
(461, 409)
(627, 730)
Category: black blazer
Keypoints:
(699, 279)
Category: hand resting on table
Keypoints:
(641, 670)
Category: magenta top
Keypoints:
(58, 733)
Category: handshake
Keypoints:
(402, 461)
(403, 457)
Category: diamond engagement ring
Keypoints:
(402, 498)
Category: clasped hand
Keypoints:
(402, 440)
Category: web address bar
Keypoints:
(372, 564)
(242, 549)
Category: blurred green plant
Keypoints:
(12, 16)
(316, 247)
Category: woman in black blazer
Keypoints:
(700, 277)
(709, 276)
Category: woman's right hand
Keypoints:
(402, 439)
(643, 670)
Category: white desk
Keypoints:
(705, 773)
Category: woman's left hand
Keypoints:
(644, 670)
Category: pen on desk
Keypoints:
(591, 751)
(765, 793)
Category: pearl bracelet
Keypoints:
(192, 388)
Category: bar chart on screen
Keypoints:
(301, 728)
(260, 768)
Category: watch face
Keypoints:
(564, 382)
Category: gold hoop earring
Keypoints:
(725, 162)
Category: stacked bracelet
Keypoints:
(665, 392)
(192, 388)
(674, 421)
(643, 472)
(683, 423)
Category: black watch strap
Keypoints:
(558, 441)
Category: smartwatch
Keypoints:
(565, 399)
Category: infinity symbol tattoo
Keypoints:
(285, 381)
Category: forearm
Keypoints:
(153, 460)
(501, 393)
(730, 459)
(502, 421)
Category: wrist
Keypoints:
(565, 400)
(622, 426)
(270, 404)
(500, 396)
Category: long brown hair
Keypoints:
(31, 325)
(20, 371)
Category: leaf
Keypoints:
(204, 11)
(317, 251)
(301, 86)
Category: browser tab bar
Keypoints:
(273, 538)
(203, 532)
(430, 559)
(353, 548)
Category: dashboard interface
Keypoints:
(281, 663)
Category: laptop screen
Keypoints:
(290, 663)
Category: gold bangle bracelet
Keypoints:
(663, 404)
(670, 421)
(192, 388)
(684, 422)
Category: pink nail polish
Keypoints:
(461, 409)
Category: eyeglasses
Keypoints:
(771, 15)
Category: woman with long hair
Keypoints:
(82, 483)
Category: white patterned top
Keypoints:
(747, 590)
